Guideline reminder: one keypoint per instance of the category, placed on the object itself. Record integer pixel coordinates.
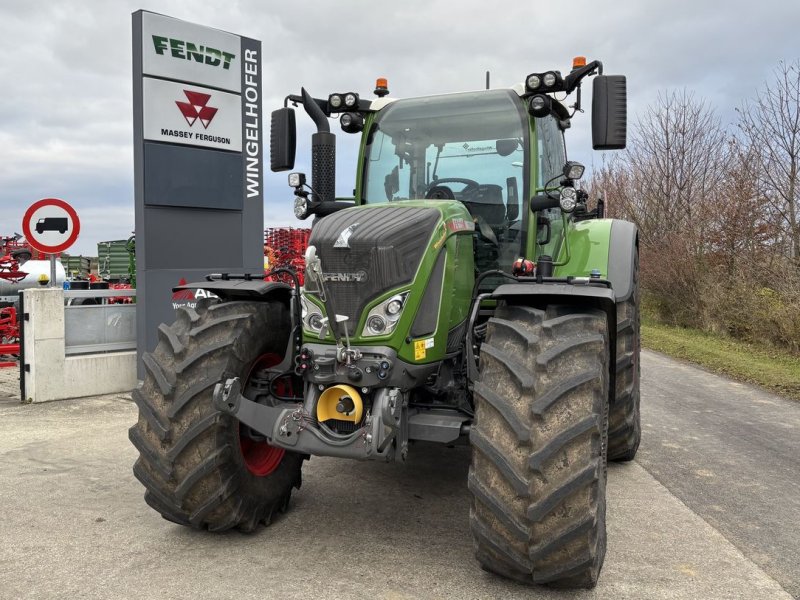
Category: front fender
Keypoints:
(605, 245)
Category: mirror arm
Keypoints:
(573, 80)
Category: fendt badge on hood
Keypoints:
(357, 277)
(343, 241)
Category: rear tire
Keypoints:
(538, 473)
(191, 461)
(624, 423)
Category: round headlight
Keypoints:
(568, 200)
(376, 324)
(394, 307)
(533, 82)
(300, 207)
(335, 100)
(346, 120)
(350, 100)
(315, 322)
(539, 105)
(549, 79)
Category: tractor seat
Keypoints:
(487, 202)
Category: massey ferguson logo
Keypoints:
(197, 108)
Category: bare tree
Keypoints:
(771, 126)
(717, 214)
(674, 164)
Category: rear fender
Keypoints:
(240, 289)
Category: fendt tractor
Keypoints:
(467, 293)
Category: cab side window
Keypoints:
(552, 153)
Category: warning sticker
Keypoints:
(429, 343)
(419, 350)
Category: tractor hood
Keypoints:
(367, 251)
(415, 251)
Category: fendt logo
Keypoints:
(197, 108)
(194, 52)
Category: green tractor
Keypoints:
(465, 293)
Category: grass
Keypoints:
(774, 369)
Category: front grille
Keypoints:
(383, 251)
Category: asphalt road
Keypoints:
(731, 453)
(73, 522)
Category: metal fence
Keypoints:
(93, 324)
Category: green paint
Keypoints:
(588, 244)
(457, 285)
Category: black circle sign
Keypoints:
(51, 225)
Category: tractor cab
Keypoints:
(467, 147)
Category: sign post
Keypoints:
(198, 165)
(51, 226)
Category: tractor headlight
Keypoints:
(297, 180)
(383, 319)
(350, 100)
(312, 315)
(351, 122)
(573, 170)
(568, 199)
(549, 79)
(540, 105)
(533, 81)
(334, 101)
(394, 307)
(300, 207)
(376, 325)
(315, 322)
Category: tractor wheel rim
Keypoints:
(260, 458)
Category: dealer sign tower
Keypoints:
(198, 165)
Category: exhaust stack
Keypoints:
(323, 152)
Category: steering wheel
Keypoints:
(470, 184)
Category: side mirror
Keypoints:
(506, 147)
(609, 112)
(282, 139)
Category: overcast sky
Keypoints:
(65, 106)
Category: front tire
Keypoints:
(193, 462)
(538, 473)
(625, 423)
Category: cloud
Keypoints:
(65, 110)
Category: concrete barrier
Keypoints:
(48, 373)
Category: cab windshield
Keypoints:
(467, 147)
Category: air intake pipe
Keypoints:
(323, 152)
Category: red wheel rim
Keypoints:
(260, 458)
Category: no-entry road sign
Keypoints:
(51, 225)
